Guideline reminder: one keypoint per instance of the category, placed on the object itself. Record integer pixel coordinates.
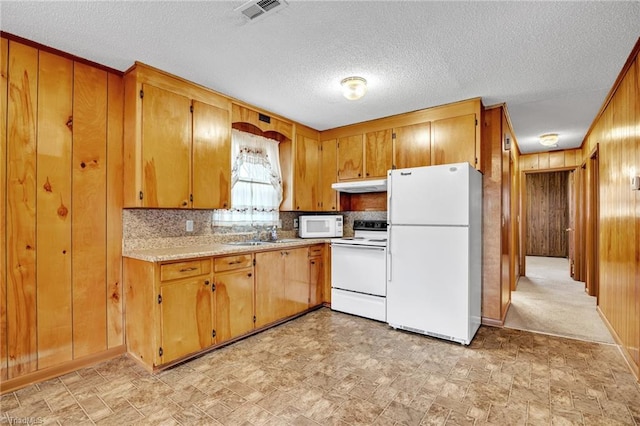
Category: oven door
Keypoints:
(359, 268)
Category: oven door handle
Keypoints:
(357, 247)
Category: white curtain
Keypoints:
(256, 182)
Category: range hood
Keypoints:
(361, 186)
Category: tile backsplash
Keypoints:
(144, 224)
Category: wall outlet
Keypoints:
(295, 223)
(189, 226)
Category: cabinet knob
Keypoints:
(249, 274)
(184, 203)
(359, 174)
(207, 282)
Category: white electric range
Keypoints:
(359, 271)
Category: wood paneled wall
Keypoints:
(500, 207)
(62, 186)
(616, 133)
(547, 214)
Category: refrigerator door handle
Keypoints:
(389, 275)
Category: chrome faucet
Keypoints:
(273, 233)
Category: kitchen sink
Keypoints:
(248, 243)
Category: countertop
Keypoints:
(213, 249)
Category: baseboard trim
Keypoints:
(635, 369)
(59, 370)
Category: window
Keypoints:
(256, 182)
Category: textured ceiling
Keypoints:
(552, 63)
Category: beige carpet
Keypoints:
(549, 301)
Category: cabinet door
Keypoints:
(378, 153)
(412, 146)
(350, 155)
(185, 317)
(328, 176)
(316, 280)
(296, 290)
(211, 157)
(307, 166)
(166, 148)
(454, 140)
(269, 287)
(234, 304)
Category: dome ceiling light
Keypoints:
(354, 88)
(549, 139)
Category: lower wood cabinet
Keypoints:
(234, 293)
(178, 309)
(282, 284)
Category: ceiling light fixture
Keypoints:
(549, 139)
(354, 88)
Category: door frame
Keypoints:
(592, 221)
(523, 210)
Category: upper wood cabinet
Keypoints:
(350, 156)
(454, 140)
(378, 153)
(412, 146)
(177, 143)
(315, 171)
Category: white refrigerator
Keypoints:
(434, 269)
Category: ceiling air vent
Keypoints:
(254, 10)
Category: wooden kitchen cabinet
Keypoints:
(350, 156)
(186, 321)
(316, 275)
(170, 309)
(328, 175)
(282, 284)
(454, 140)
(234, 295)
(177, 143)
(307, 173)
(315, 165)
(412, 146)
(378, 153)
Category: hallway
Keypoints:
(548, 301)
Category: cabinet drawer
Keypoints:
(228, 263)
(316, 251)
(191, 268)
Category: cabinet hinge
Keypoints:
(160, 351)
(191, 197)
(476, 160)
(140, 195)
(254, 262)
(141, 93)
(254, 318)
(393, 135)
(159, 299)
(338, 145)
(213, 333)
(476, 121)
(191, 109)
(213, 286)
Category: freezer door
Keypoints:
(434, 195)
(428, 288)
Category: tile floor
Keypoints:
(329, 368)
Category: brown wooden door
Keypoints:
(547, 214)
(166, 148)
(454, 140)
(270, 284)
(186, 317)
(296, 290)
(350, 157)
(233, 303)
(307, 169)
(329, 176)
(378, 153)
(211, 157)
(412, 146)
(4, 64)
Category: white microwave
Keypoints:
(321, 226)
